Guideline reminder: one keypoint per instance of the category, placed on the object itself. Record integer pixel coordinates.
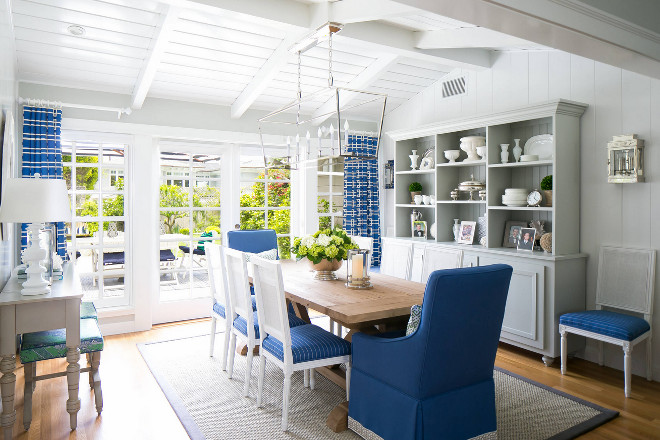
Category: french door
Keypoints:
(190, 212)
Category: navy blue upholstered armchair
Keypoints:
(253, 241)
(436, 383)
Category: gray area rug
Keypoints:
(211, 406)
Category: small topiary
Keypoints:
(415, 187)
(546, 183)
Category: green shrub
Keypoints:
(184, 231)
(213, 228)
(415, 187)
(546, 183)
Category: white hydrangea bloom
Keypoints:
(323, 240)
(308, 241)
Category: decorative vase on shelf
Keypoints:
(325, 269)
(517, 151)
(504, 155)
(456, 228)
(414, 157)
(433, 230)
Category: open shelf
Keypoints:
(535, 163)
(476, 202)
(413, 205)
(431, 171)
(462, 164)
(522, 208)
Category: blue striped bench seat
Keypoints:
(116, 258)
(240, 323)
(604, 322)
(51, 344)
(309, 343)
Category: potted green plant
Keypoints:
(546, 189)
(325, 249)
(415, 189)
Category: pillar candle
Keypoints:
(358, 268)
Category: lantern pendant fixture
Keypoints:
(625, 159)
(333, 142)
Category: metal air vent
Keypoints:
(453, 87)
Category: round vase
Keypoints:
(456, 229)
(325, 269)
(517, 151)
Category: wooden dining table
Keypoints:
(384, 307)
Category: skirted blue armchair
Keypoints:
(436, 383)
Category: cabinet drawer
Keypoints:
(523, 316)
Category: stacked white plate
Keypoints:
(515, 197)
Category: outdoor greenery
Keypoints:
(111, 207)
(330, 244)
(324, 206)
(86, 178)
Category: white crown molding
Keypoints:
(608, 19)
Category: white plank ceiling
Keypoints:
(233, 54)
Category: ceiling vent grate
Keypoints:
(453, 87)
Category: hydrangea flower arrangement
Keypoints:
(329, 244)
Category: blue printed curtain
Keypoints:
(42, 154)
(361, 200)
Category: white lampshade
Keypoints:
(35, 201)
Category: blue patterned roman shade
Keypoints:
(42, 154)
(361, 198)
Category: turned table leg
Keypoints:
(8, 385)
(73, 382)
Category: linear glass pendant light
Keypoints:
(329, 104)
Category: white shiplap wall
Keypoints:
(620, 102)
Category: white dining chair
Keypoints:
(215, 260)
(303, 347)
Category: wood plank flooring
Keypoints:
(135, 408)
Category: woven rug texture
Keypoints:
(212, 406)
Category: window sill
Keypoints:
(112, 312)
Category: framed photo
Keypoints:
(526, 242)
(419, 229)
(512, 233)
(466, 233)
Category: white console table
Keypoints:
(24, 314)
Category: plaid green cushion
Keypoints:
(87, 310)
(51, 344)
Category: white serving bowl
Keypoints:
(529, 157)
(516, 191)
(452, 155)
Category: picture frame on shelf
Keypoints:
(466, 232)
(512, 233)
(526, 242)
(388, 174)
(419, 229)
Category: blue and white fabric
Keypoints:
(219, 309)
(42, 154)
(240, 323)
(361, 197)
(604, 322)
(309, 343)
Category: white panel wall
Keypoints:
(7, 103)
(619, 102)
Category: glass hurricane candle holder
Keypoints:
(358, 269)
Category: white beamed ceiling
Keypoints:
(210, 57)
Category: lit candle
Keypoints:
(320, 134)
(309, 145)
(297, 146)
(288, 148)
(332, 140)
(358, 268)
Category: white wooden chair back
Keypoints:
(239, 287)
(440, 259)
(365, 243)
(215, 260)
(395, 259)
(271, 302)
(626, 279)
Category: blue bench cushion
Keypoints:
(112, 258)
(167, 255)
(87, 310)
(240, 323)
(186, 250)
(604, 322)
(51, 344)
(219, 309)
(309, 343)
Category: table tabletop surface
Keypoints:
(390, 297)
(67, 288)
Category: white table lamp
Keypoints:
(35, 201)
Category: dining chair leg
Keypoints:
(649, 358)
(225, 345)
(312, 379)
(627, 352)
(248, 371)
(332, 326)
(213, 323)
(306, 378)
(563, 351)
(285, 401)
(27, 396)
(600, 353)
(348, 380)
(340, 331)
(96, 379)
(262, 373)
(231, 351)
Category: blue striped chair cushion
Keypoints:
(604, 322)
(240, 324)
(51, 344)
(219, 309)
(309, 343)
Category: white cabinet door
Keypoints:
(524, 313)
(417, 263)
(395, 258)
(438, 258)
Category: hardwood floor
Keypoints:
(135, 408)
